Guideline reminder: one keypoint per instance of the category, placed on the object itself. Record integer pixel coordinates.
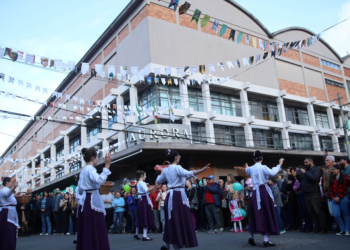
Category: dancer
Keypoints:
(8, 214)
(263, 218)
(179, 229)
(236, 215)
(92, 232)
(145, 217)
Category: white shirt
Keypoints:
(90, 179)
(142, 190)
(7, 197)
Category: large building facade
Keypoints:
(284, 106)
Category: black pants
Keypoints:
(329, 218)
(65, 221)
(36, 223)
(57, 218)
(109, 217)
(314, 205)
(74, 220)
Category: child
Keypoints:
(236, 215)
(277, 202)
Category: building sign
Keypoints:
(169, 133)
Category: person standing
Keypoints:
(118, 206)
(45, 209)
(160, 199)
(132, 203)
(221, 196)
(338, 188)
(56, 210)
(145, 216)
(236, 215)
(277, 200)
(344, 163)
(92, 233)
(127, 214)
(309, 179)
(107, 202)
(37, 214)
(65, 214)
(24, 218)
(212, 204)
(179, 230)
(191, 193)
(263, 218)
(153, 196)
(73, 206)
(327, 175)
(31, 223)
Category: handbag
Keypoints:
(224, 203)
(194, 201)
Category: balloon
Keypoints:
(200, 183)
(243, 212)
(126, 188)
(237, 186)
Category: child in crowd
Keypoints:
(236, 215)
(277, 202)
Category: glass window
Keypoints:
(329, 64)
(348, 84)
(326, 143)
(337, 121)
(169, 92)
(301, 141)
(75, 166)
(264, 110)
(195, 99)
(342, 145)
(146, 97)
(228, 135)
(59, 151)
(112, 120)
(199, 134)
(267, 139)
(93, 129)
(333, 83)
(74, 142)
(225, 104)
(297, 116)
(322, 119)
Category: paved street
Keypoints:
(225, 240)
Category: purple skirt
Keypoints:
(145, 216)
(7, 232)
(92, 233)
(264, 220)
(179, 230)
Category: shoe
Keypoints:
(47, 234)
(41, 234)
(232, 230)
(67, 233)
(164, 248)
(341, 233)
(146, 239)
(251, 242)
(217, 231)
(241, 231)
(323, 232)
(288, 229)
(137, 237)
(347, 233)
(236, 231)
(210, 232)
(283, 232)
(74, 242)
(221, 229)
(269, 244)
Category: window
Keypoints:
(329, 64)
(59, 152)
(112, 120)
(322, 119)
(267, 139)
(297, 116)
(348, 84)
(195, 99)
(199, 133)
(333, 83)
(337, 121)
(92, 130)
(228, 135)
(264, 110)
(225, 104)
(301, 141)
(47, 156)
(171, 93)
(326, 143)
(342, 145)
(113, 150)
(147, 96)
(74, 142)
(75, 166)
(60, 174)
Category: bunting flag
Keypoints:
(251, 60)
(171, 112)
(254, 42)
(265, 45)
(205, 20)
(155, 113)
(232, 35)
(156, 80)
(266, 54)
(184, 8)
(229, 64)
(174, 3)
(169, 81)
(139, 116)
(223, 30)
(196, 15)
(202, 69)
(247, 39)
(215, 27)
(238, 64)
(258, 58)
(273, 53)
(211, 68)
(239, 37)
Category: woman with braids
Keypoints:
(145, 217)
(179, 229)
(92, 232)
(8, 214)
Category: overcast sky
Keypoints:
(67, 29)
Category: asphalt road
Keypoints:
(224, 240)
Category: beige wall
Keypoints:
(289, 71)
(314, 78)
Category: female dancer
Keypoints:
(92, 231)
(8, 214)
(179, 229)
(262, 212)
(145, 217)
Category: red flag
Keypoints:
(51, 104)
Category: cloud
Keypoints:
(339, 36)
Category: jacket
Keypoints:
(215, 190)
(310, 181)
(48, 206)
(120, 204)
(276, 195)
(339, 188)
(26, 212)
(133, 205)
(37, 207)
(54, 200)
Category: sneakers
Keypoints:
(210, 232)
(236, 231)
(341, 233)
(232, 230)
(221, 229)
(217, 231)
(41, 234)
(282, 231)
(347, 233)
(46, 234)
(241, 231)
(67, 233)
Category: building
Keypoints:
(284, 106)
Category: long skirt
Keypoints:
(179, 230)
(92, 232)
(7, 232)
(145, 216)
(264, 220)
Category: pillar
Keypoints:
(66, 153)
(283, 119)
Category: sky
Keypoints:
(67, 29)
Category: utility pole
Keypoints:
(344, 126)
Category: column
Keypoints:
(248, 132)
(53, 156)
(66, 154)
(315, 138)
(33, 175)
(209, 127)
(133, 96)
(42, 166)
(83, 134)
(282, 118)
(333, 128)
(120, 124)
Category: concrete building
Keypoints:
(284, 106)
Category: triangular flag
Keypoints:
(215, 26)
(196, 15)
(239, 37)
(205, 20)
(232, 35)
(254, 42)
(223, 30)
(174, 3)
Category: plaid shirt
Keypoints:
(339, 190)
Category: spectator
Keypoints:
(202, 215)
(107, 201)
(46, 209)
(24, 218)
(65, 213)
(118, 205)
(56, 211)
(156, 212)
(74, 206)
(338, 188)
(52, 219)
(212, 203)
(132, 203)
(233, 206)
(309, 179)
(192, 196)
(277, 202)
(33, 215)
(280, 181)
(344, 163)
(37, 213)
(221, 196)
(292, 206)
(326, 177)
(160, 199)
(126, 214)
